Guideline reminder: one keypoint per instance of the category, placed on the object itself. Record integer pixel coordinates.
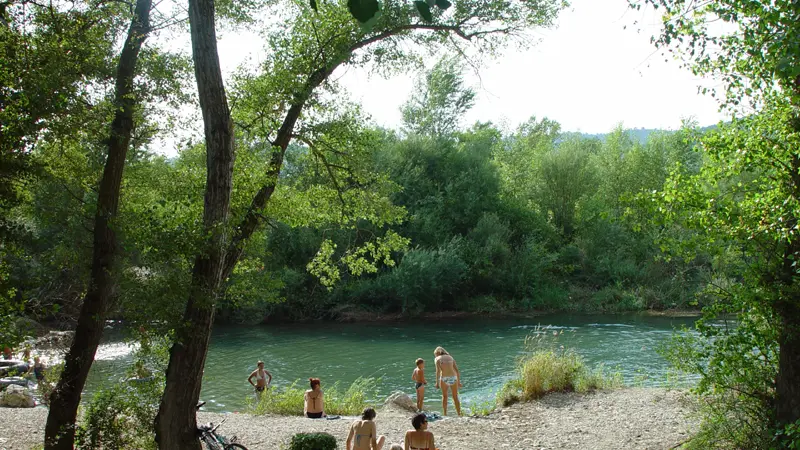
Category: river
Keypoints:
(486, 352)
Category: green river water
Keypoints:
(486, 351)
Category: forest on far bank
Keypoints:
(478, 219)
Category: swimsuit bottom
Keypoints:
(418, 385)
(260, 388)
(450, 381)
(311, 415)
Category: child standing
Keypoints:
(419, 382)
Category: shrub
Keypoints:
(547, 367)
(122, 416)
(737, 365)
(510, 393)
(288, 401)
(549, 371)
(313, 441)
(482, 407)
(788, 437)
(352, 401)
(45, 387)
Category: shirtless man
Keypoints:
(365, 434)
(260, 375)
(313, 400)
(419, 382)
(447, 376)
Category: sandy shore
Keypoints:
(632, 418)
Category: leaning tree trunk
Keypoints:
(60, 427)
(176, 421)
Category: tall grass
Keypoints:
(288, 401)
(548, 367)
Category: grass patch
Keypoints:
(482, 407)
(288, 401)
(548, 367)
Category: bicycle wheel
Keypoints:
(235, 447)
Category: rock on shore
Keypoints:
(633, 418)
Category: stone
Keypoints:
(401, 400)
(17, 397)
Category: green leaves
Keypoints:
(424, 10)
(366, 10)
(362, 10)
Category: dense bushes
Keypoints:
(528, 221)
(737, 364)
(312, 441)
(121, 416)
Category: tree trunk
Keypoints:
(176, 419)
(60, 427)
(787, 382)
(787, 401)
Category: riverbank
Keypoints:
(357, 316)
(631, 418)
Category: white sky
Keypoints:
(590, 73)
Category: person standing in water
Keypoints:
(260, 375)
(313, 400)
(419, 382)
(448, 377)
(37, 369)
(364, 434)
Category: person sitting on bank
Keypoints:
(261, 376)
(313, 401)
(419, 438)
(364, 433)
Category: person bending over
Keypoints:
(419, 438)
(448, 377)
(363, 434)
(314, 403)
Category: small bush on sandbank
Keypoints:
(312, 441)
(548, 367)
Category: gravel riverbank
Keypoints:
(632, 418)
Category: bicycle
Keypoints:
(207, 433)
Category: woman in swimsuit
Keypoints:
(447, 376)
(419, 438)
(260, 375)
(314, 403)
(364, 433)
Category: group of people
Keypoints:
(36, 369)
(363, 434)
